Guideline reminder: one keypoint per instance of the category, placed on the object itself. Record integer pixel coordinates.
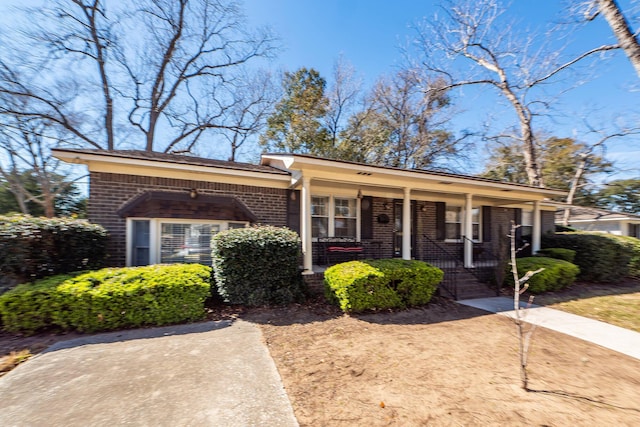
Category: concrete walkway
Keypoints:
(206, 374)
(613, 337)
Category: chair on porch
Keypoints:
(334, 250)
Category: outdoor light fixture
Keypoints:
(193, 193)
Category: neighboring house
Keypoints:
(162, 208)
(596, 219)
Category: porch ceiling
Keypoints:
(390, 182)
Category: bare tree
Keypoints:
(25, 148)
(589, 152)
(620, 25)
(470, 44)
(343, 96)
(165, 65)
(404, 125)
(246, 118)
(520, 286)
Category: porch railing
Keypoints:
(488, 266)
(448, 260)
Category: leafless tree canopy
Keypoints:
(471, 44)
(151, 74)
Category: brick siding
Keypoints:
(109, 192)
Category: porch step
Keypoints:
(468, 287)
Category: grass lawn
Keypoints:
(615, 304)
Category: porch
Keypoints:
(459, 282)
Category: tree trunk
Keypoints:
(621, 29)
(573, 188)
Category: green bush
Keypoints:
(258, 266)
(109, 299)
(633, 245)
(557, 273)
(601, 257)
(31, 248)
(558, 253)
(380, 284)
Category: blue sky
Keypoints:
(369, 34)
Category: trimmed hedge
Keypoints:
(31, 248)
(601, 257)
(558, 253)
(380, 284)
(557, 273)
(258, 266)
(109, 299)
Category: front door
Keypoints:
(399, 228)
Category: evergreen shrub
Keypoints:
(31, 248)
(109, 299)
(258, 266)
(558, 253)
(381, 284)
(601, 257)
(557, 273)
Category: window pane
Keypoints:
(476, 231)
(345, 227)
(527, 218)
(345, 208)
(189, 243)
(140, 242)
(319, 206)
(319, 227)
(452, 231)
(475, 216)
(234, 225)
(453, 214)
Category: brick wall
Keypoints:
(109, 192)
(548, 221)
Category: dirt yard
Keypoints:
(443, 365)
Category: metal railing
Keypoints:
(487, 265)
(448, 259)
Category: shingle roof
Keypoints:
(585, 213)
(178, 158)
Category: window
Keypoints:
(345, 217)
(184, 242)
(160, 240)
(526, 226)
(140, 239)
(319, 216)
(454, 220)
(333, 217)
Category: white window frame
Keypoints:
(462, 223)
(331, 212)
(525, 213)
(155, 230)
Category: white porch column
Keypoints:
(406, 224)
(305, 227)
(536, 229)
(468, 230)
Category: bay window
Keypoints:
(167, 241)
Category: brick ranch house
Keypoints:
(162, 208)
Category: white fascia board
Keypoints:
(87, 159)
(308, 164)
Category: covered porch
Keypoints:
(354, 211)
